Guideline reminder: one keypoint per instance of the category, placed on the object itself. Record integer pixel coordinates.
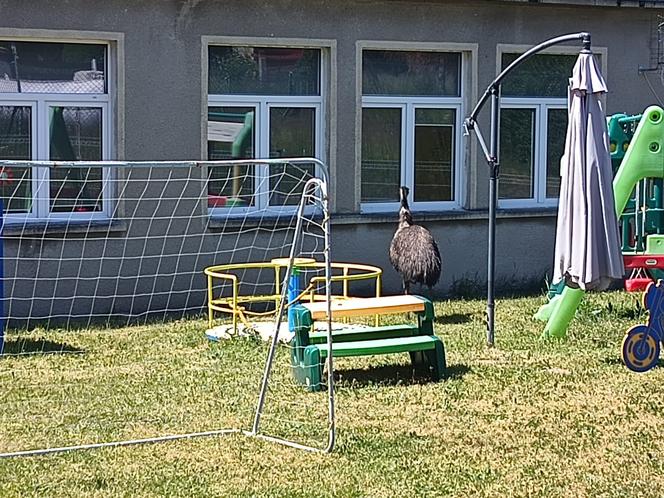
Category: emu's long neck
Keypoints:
(405, 217)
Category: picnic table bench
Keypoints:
(310, 349)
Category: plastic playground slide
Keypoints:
(643, 159)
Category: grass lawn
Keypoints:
(527, 418)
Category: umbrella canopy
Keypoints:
(587, 253)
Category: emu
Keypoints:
(413, 251)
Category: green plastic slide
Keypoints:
(644, 159)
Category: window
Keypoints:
(263, 102)
(533, 124)
(54, 105)
(411, 110)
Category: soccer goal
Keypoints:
(106, 302)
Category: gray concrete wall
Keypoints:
(524, 251)
(162, 103)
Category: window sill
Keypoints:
(36, 228)
(218, 223)
(451, 215)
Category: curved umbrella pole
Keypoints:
(491, 156)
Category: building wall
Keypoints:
(161, 75)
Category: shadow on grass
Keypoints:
(37, 346)
(453, 318)
(393, 375)
(617, 360)
(638, 313)
(453, 372)
(110, 323)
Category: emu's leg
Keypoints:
(406, 287)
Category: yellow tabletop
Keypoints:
(361, 306)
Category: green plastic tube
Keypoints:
(563, 313)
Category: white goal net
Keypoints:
(141, 301)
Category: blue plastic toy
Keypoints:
(640, 348)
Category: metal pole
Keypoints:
(15, 64)
(491, 155)
(280, 312)
(494, 168)
(328, 300)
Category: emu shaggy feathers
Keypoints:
(413, 251)
(414, 254)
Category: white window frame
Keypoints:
(408, 106)
(540, 143)
(40, 104)
(262, 104)
(541, 106)
(459, 104)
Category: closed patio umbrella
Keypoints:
(587, 253)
